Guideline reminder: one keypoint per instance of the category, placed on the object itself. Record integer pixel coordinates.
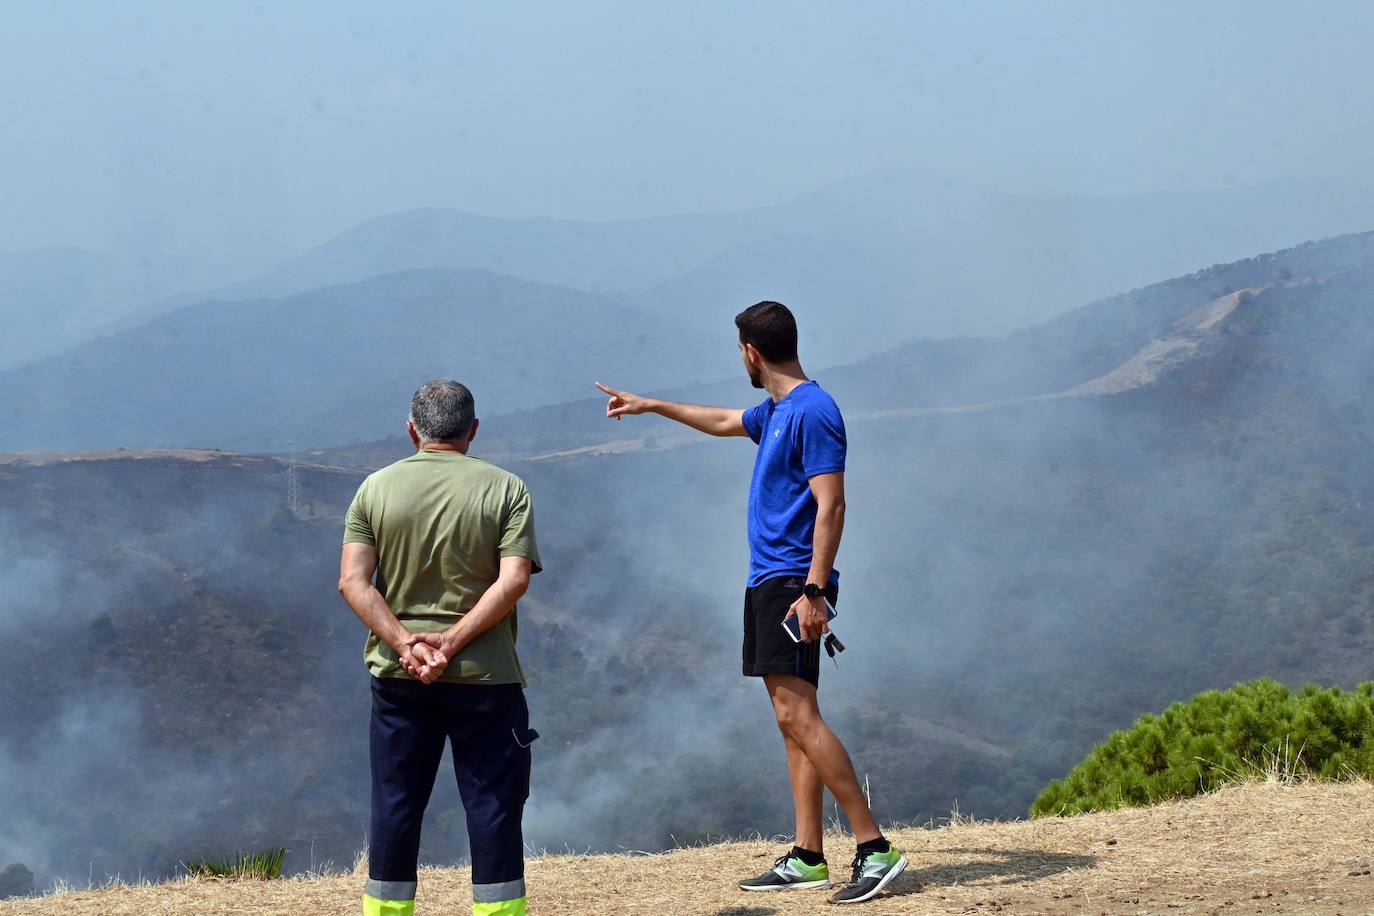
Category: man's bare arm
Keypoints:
(512, 581)
(714, 421)
(828, 491)
(357, 565)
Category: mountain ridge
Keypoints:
(255, 375)
(991, 260)
(1061, 357)
(56, 297)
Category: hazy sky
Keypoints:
(246, 131)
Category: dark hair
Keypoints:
(442, 410)
(770, 327)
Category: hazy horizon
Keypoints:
(244, 135)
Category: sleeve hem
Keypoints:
(534, 561)
(823, 470)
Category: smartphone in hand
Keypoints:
(793, 625)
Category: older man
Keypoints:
(451, 542)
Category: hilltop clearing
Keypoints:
(1261, 848)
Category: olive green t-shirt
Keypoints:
(441, 522)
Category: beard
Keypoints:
(755, 376)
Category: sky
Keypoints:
(242, 133)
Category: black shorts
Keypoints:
(769, 650)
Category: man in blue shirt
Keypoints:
(796, 517)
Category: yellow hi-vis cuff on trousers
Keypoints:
(504, 899)
(389, 898)
(374, 907)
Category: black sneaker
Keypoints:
(872, 872)
(789, 874)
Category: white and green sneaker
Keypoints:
(872, 872)
(789, 873)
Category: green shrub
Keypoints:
(1259, 729)
(266, 864)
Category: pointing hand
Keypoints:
(622, 402)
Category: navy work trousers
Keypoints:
(488, 728)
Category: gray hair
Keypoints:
(442, 410)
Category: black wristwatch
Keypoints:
(812, 590)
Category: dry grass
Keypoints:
(1261, 848)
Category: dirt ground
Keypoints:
(1263, 848)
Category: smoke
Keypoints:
(25, 579)
(56, 772)
(1017, 580)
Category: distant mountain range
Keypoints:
(869, 261)
(1083, 352)
(866, 262)
(336, 364)
(53, 298)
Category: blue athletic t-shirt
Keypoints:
(799, 437)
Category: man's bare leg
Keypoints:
(806, 796)
(799, 719)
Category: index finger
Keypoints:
(608, 390)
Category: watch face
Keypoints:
(811, 590)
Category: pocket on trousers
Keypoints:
(524, 758)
